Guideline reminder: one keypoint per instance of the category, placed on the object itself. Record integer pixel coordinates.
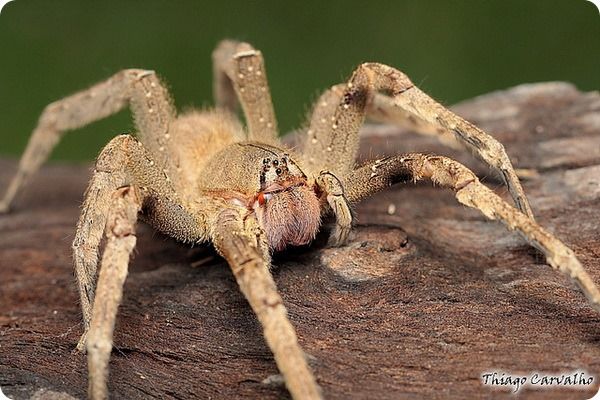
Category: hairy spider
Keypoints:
(201, 176)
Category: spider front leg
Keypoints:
(240, 241)
(239, 73)
(332, 140)
(124, 161)
(150, 104)
(120, 242)
(126, 180)
(380, 174)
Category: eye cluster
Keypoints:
(280, 165)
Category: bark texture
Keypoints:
(427, 296)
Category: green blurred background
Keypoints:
(453, 49)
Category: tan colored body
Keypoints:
(202, 176)
(197, 136)
(214, 159)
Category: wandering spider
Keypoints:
(201, 176)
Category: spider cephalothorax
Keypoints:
(201, 177)
(273, 188)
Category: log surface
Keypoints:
(419, 304)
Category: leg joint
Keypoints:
(135, 74)
(114, 155)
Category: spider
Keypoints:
(204, 177)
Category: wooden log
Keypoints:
(426, 297)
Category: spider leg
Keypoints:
(333, 189)
(380, 174)
(332, 140)
(239, 73)
(242, 244)
(125, 161)
(120, 242)
(383, 109)
(150, 104)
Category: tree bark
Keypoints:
(426, 298)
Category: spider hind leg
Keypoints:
(239, 75)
